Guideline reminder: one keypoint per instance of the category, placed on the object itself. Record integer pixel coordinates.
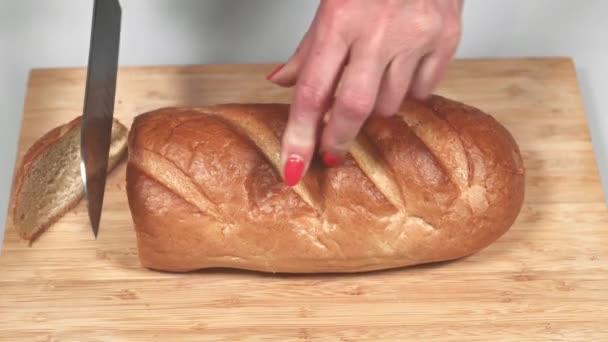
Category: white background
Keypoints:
(48, 33)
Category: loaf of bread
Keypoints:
(439, 181)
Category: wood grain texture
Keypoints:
(546, 279)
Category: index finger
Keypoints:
(313, 93)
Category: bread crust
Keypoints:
(439, 181)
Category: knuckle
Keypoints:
(311, 96)
(333, 21)
(335, 10)
(356, 106)
(452, 32)
(331, 32)
(324, 31)
(426, 25)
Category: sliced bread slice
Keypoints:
(48, 182)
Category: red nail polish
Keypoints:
(271, 75)
(331, 160)
(293, 170)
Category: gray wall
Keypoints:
(35, 33)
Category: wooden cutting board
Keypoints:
(546, 279)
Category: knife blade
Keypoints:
(98, 111)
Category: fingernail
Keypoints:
(293, 170)
(271, 75)
(331, 160)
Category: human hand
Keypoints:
(361, 58)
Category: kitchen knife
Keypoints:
(98, 112)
